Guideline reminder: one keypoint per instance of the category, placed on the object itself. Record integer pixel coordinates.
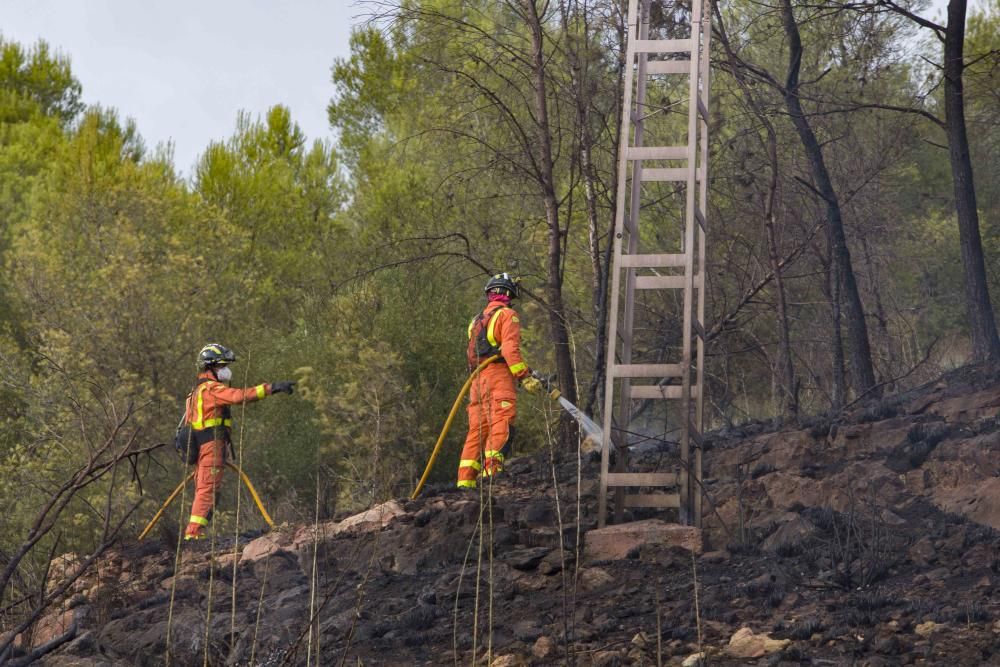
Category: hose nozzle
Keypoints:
(546, 381)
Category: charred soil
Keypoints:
(866, 539)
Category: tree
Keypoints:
(488, 88)
(844, 279)
(843, 286)
(785, 368)
(36, 81)
(979, 307)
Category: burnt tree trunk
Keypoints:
(788, 394)
(862, 371)
(546, 178)
(982, 326)
(595, 392)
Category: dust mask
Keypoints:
(224, 374)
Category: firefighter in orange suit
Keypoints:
(493, 397)
(208, 413)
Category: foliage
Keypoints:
(354, 267)
(36, 82)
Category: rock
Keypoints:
(922, 552)
(615, 542)
(891, 518)
(61, 568)
(608, 658)
(875, 661)
(715, 556)
(529, 584)
(968, 407)
(927, 628)
(544, 648)
(978, 557)
(377, 517)
(509, 660)
(548, 567)
(503, 536)
(83, 645)
(179, 585)
(226, 560)
(761, 586)
(75, 601)
(922, 402)
(423, 517)
(537, 514)
(694, 660)
(745, 644)
(640, 640)
(527, 559)
(836, 490)
(938, 575)
(593, 578)
(526, 631)
(265, 546)
(52, 625)
(368, 521)
(976, 499)
(918, 481)
(889, 645)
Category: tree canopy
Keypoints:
(470, 138)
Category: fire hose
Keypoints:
(243, 476)
(448, 421)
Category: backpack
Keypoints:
(185, 443)
(480, 346)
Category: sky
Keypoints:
(184, 69)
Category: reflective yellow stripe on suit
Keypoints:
(490, 328)
(490, 334)
(198, 423)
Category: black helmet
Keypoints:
(213, 355)
(503, 283)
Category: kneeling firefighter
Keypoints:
(493, 396)
(209, 416)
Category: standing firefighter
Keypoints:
(209, 416)
(493, 398)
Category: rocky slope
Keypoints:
(867, 540)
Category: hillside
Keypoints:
(867, 540)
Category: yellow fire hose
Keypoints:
(166, 505)
(243, 476)
(447, 423)
(253, 494)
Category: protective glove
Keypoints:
(532, 385)
(546, 382)
(285, 386)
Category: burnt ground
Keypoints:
(869, 539)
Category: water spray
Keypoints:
(595, 433)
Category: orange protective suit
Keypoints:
(208, 410)
(493, 396)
